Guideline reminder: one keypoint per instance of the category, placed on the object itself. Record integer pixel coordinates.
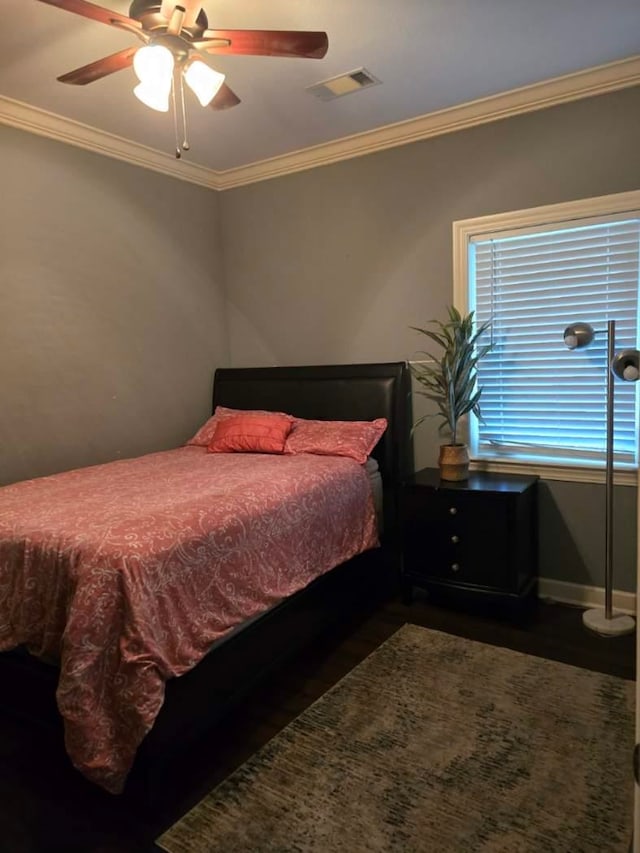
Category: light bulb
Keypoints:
(631, 373)
(152, 63)
(571, 341)
(154, 96)
(203, 81)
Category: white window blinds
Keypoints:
(540, 400)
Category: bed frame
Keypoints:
(239, 661)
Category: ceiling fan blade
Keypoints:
(309, 45)
(100, 68)
(96, 13)
(224, 99)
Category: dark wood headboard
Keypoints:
(356, 392)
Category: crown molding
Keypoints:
(537, 96)
(53, 126)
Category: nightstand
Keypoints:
(470, 541)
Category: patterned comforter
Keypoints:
(124, 574)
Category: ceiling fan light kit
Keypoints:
(203, 81)
(154, 66)
(153, 96)
(176, 36)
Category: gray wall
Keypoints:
(112, 313)
(111, 307)
(335, 264)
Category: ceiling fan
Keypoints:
(175, 36)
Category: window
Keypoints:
(531, 274)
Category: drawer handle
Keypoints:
(455, 567)
(455, 539)
(452, 510)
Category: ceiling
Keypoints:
(431, 56)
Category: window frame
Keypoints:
(537, 217)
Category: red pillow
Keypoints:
(206, 432)
(336, 438)
(251, 433)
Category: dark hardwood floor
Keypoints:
(47, 807)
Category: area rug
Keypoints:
(436, 743)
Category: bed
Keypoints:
(247, 653)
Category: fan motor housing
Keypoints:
(148, 13)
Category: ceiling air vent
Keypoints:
(345, 84)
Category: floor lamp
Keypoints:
(626, 366)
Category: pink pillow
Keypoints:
(206, 432)
(251, 433)
(336, 438)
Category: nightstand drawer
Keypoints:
(459, 567)
(478, 535)
(458, 553)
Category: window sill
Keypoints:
(568, 473)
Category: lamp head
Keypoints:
(578, 335)
(626, 365)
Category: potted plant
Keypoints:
(449, 380)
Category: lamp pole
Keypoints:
(608, 515)
(625, 366)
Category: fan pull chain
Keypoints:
(185, 144)
(175, 117)
(183, 110)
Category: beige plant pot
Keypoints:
(454, 462)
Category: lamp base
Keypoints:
(618, 624)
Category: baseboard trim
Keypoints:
(585, 596)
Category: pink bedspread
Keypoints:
(126, 573)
